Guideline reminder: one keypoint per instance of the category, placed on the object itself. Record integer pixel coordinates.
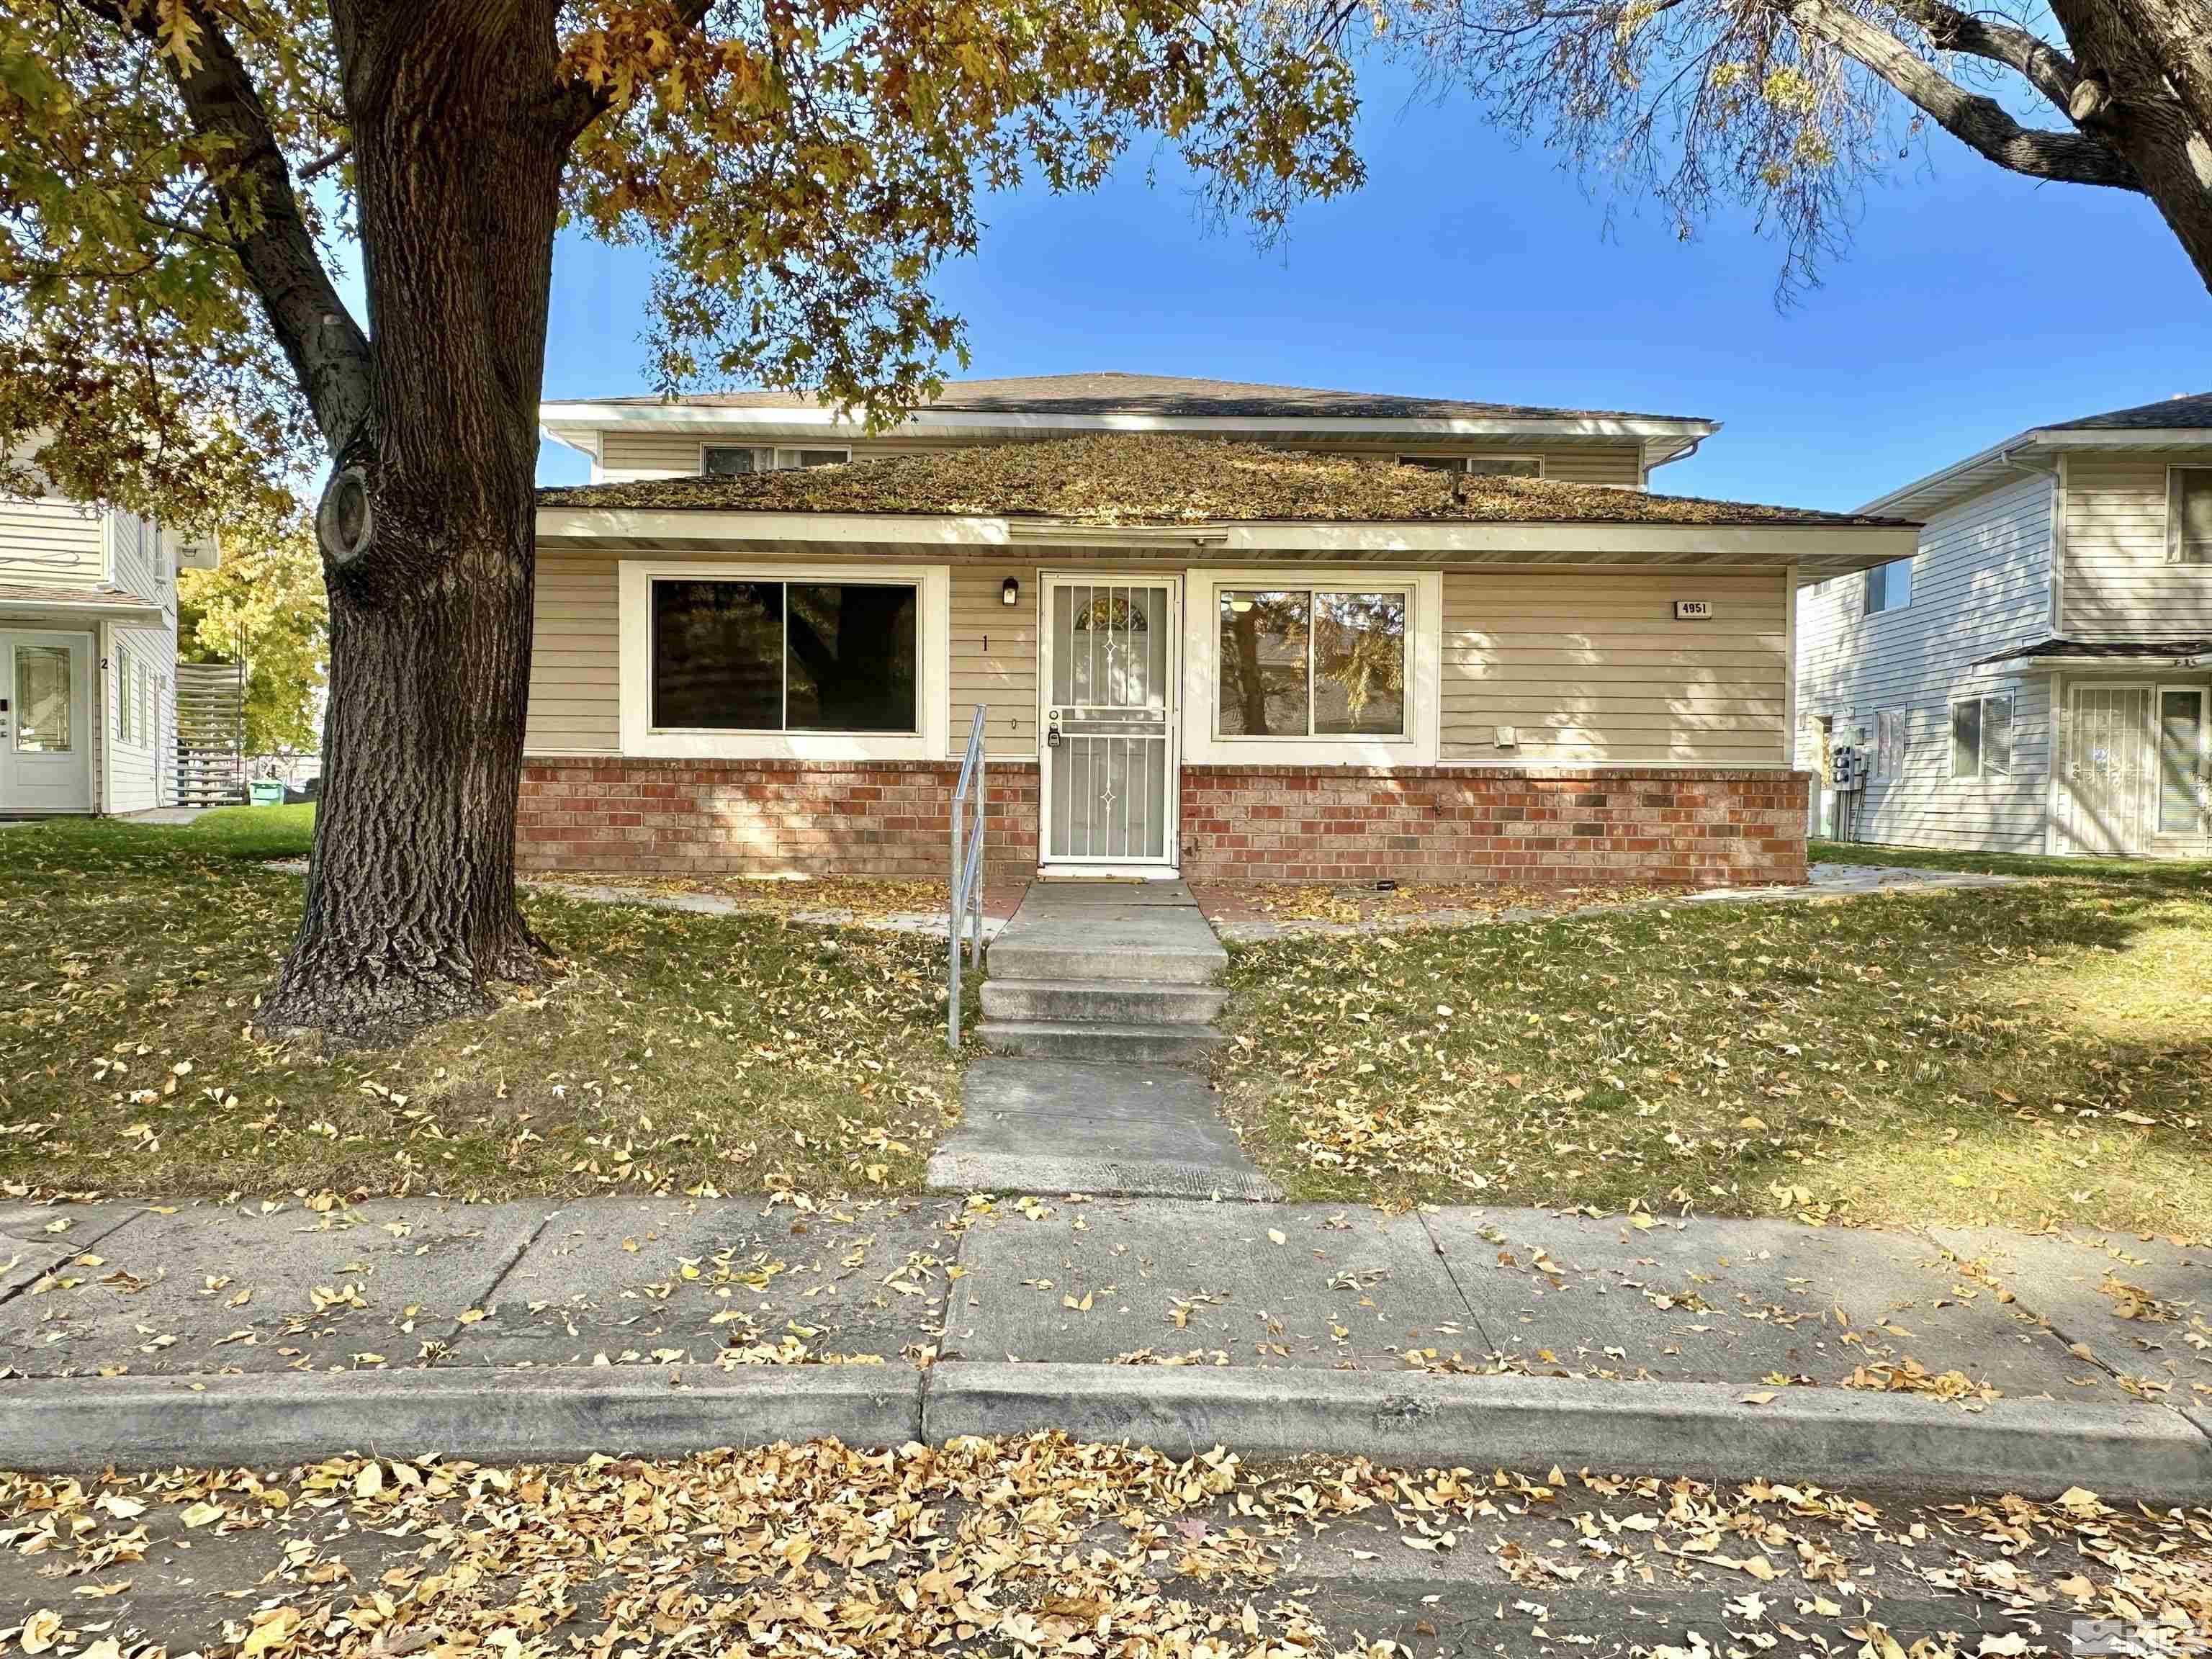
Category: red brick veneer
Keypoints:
(1530, 825)
(765, 818)
(1525, 825)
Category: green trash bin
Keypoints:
(268, 791)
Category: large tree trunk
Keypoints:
(410, 903)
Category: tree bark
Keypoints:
(2153, 61)
(411, 902)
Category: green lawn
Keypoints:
(2018, 1055)
(677, 1052)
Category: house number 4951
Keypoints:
(1694, 611)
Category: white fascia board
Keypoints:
(2106, 664)
(1822, 549)
(132, 615)
(684, 418)
(2167, 437)
(1961, 478)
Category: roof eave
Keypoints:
(137, 611)
(1818, 551)
(1939, 488)
(569, 422)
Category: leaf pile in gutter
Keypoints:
(1116, 478)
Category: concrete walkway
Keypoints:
(1097, 1001)
(1466, 1336)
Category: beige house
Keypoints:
(1224, 630)
(2038, 677)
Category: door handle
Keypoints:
(1052, 728)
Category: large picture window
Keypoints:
(1311, 663)
(785, 656)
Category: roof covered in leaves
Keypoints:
(1169, 396)
(1162, 479)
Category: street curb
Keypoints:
(1831, 1437)
(53, 1426)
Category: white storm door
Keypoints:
(1108, 681)
(46, 731)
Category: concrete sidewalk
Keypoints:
(657, 1326)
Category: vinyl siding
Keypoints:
(1980, 586)
(2117, 583)
(140, 559)
(995, 658)
(573, 688)
(1596, 671)
(1591, 671)
(50, 544)
(627, 455)
(141, 774)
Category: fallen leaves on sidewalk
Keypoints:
(1035, 1547)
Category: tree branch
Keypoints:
(1975, 121)
(2034, 59)
(577, 104)
(261, 215)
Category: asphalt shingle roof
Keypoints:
(1171, 396)
(2193, 411)
(1162, 478)
(2114, 650)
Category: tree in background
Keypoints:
(177, 178)
(1792, 106)
(264, 605)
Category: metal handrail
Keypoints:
(969, 801)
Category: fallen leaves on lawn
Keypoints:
(1897, 1058)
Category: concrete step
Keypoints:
(1122, 1002)
(1062, 959)
(1099, 1040)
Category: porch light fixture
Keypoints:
(1010, 592)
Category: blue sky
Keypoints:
(1972, 304)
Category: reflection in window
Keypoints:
(771, 656)
(42, 699)
(1301, 663)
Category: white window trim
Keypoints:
(1889, 755)
(933, 666)
(1981, 772)
(2173, 536)
(769, 450)
(1866, 587)
(1404, 456)
(1201, 659)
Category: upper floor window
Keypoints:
(1889, 586)
(2189, 515)
(1480, 466)
(736, 460)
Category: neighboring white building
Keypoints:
(2036, 679)
(88, 658)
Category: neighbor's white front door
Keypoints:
(45, 721)
(1107, 684)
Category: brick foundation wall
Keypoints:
(1528, 826)
(765, 818)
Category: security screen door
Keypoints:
(1109, 679)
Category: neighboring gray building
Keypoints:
(2036, 679)
(88, 658)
